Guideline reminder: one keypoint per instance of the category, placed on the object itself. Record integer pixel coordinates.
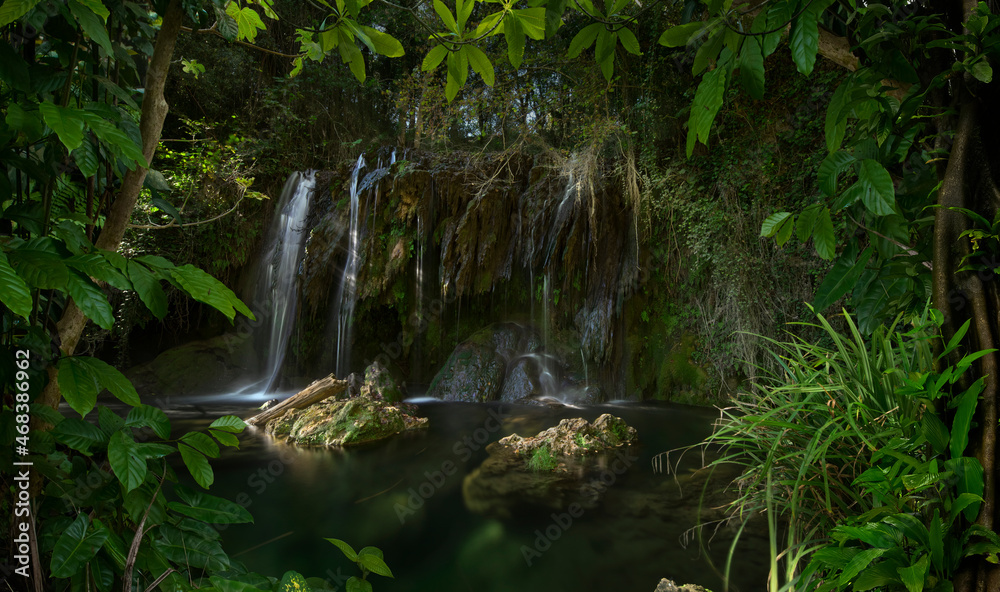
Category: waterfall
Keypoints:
(276, 294)
(347, 296)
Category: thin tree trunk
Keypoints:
(154, 111)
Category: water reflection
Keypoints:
(405, 496)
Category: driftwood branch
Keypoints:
(314, 393)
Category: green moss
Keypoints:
(542, 460)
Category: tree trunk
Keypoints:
(154, 111)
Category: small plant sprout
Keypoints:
(369, 560)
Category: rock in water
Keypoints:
(554, 470)
(475, 370)
(364, 415)
(666, 585)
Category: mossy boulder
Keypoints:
(571, 463)
(343, 423)
(379, 384)
(575, 437)
(205, 366)
(476, 370)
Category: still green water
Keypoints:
(405, 496)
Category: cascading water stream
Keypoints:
(347, 297)
(276, 293)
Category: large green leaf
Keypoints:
(841, 279)
(345, 548)
(823, 235)
(76, 546)
(371, 559)
(771, 224)
(445, 15)
(11, 10)
(480, 63)
(14, 293)
(752, 68)
(681, 34)
(247, 21)
(966, 408)
(92, 24)
(97, 266)
(807, 222)
(832, 166)
(91, 300)
(629, 41)
(858, 563)
(434, 57)
(151, 417)
(584, 39)
(127, 464)
(201, 443)
(532, 21)
(78, 385)
(187, 548)
(40, 269)
(385, 43)
(205, 288)
(121, 143)
(208, 508)
(66, 122)
(148, 288)
(804, 41)
(514, 35)
(197, 465)
(78, 434)
(606, 43)
(98, 7)
(229, 423)
(112, 379)
(875, 188)
(356, 584)
(706, 104)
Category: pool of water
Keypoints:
(405, 495)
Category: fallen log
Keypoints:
(323, 388)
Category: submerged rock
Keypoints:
(210, 365)
(567, 466)
(666, 585)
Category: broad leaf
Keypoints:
(823, 235)
(356, 584)
(201, 443)
(293, 581)
(97, 266)
(78, 434)
(804, 41)
(92, 24)
(966, 408)
(681, 34)
(584, 39)
(208, 508)
(229, 423)
(40, 269)
(832, 166)
(11, 10)
(14, 293)
(840, 280)
(706, 104)
(148, 288)
(151, 417)
(78, 385)
(67, 123)
(112, 379)
(374, 563)
(807, 222)
(186, 548)
(384, 43)
(629, 42)
(91, 299)
(752, 68)
(247, 21)
(514, 34)
(480, 63)
(127, 465)
(76, 546)
(434, 57)
(771, 224)
(197, 465)
(345, 548)
(876, 188)
(445, 15)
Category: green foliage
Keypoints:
(542, 460)
(369, 560)
(847, 444)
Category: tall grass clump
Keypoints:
(806, 432)
(854, 449)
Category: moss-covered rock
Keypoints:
(205, 366)
(575, 437)
(477, 368)
(343, 422)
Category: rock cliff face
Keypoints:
(448, 245)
